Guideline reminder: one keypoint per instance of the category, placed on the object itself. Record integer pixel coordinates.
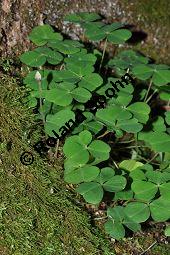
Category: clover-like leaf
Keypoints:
(95, 35)
(82, 174)
(64, 93)
(81, 95)
(165, 188)
(66, 47)
(156, 177)
(131, 125)
(33, 58)
(123, 195)
(159, 141)
(119, 36)
(161, 77)
(52, 56)
(137, 174)
(137, 211)
(127, 59)
(91, 191)
(142, 71)
(75, 151)
(85, 137)
(158, 211)
(140, 111)
(81, 59)
(114, 229)
(106, 174)
(112, 32)
(144, 190)
(57, 121)
(130, 164)
(160, 73)
(158, 125)
(99, 149)
(118, 218)
(110, 114)
(91, 81)
(115, 184)
(61, 95)
(32, 83)
(42, 34)
(39, 56)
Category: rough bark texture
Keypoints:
(18, 17)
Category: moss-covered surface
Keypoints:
(37, 212)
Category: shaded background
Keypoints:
(150, 21)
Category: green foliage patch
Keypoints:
(138, 183)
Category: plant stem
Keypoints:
(151, 95)
(41, 101)
(56, 148)
(101, 218)
(149, 161)
(144, 252)
(150, 84)
(38, 78)
(115, 164)
(130, 141)
(104, 50)
(140, 157)
(135, 146)
(105, 133)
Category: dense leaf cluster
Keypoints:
(133, 163)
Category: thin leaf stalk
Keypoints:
(104, 51)
(147, 93)
(38, 79)
(151, 96)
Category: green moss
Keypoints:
(37, 212)
(153, 18)
(155, 10)
(157, 249)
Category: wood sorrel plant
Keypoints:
(124, 148)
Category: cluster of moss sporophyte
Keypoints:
(131, 157)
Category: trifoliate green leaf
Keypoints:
(115, 184)
(33, 58)
(144, 190)
(140, 111)
(158, 141)
(160, 209)
(66, 46)
(130, 164)
(82, 174)
(158, 125)
(137, 211)
(42, 34)
(91, 191)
